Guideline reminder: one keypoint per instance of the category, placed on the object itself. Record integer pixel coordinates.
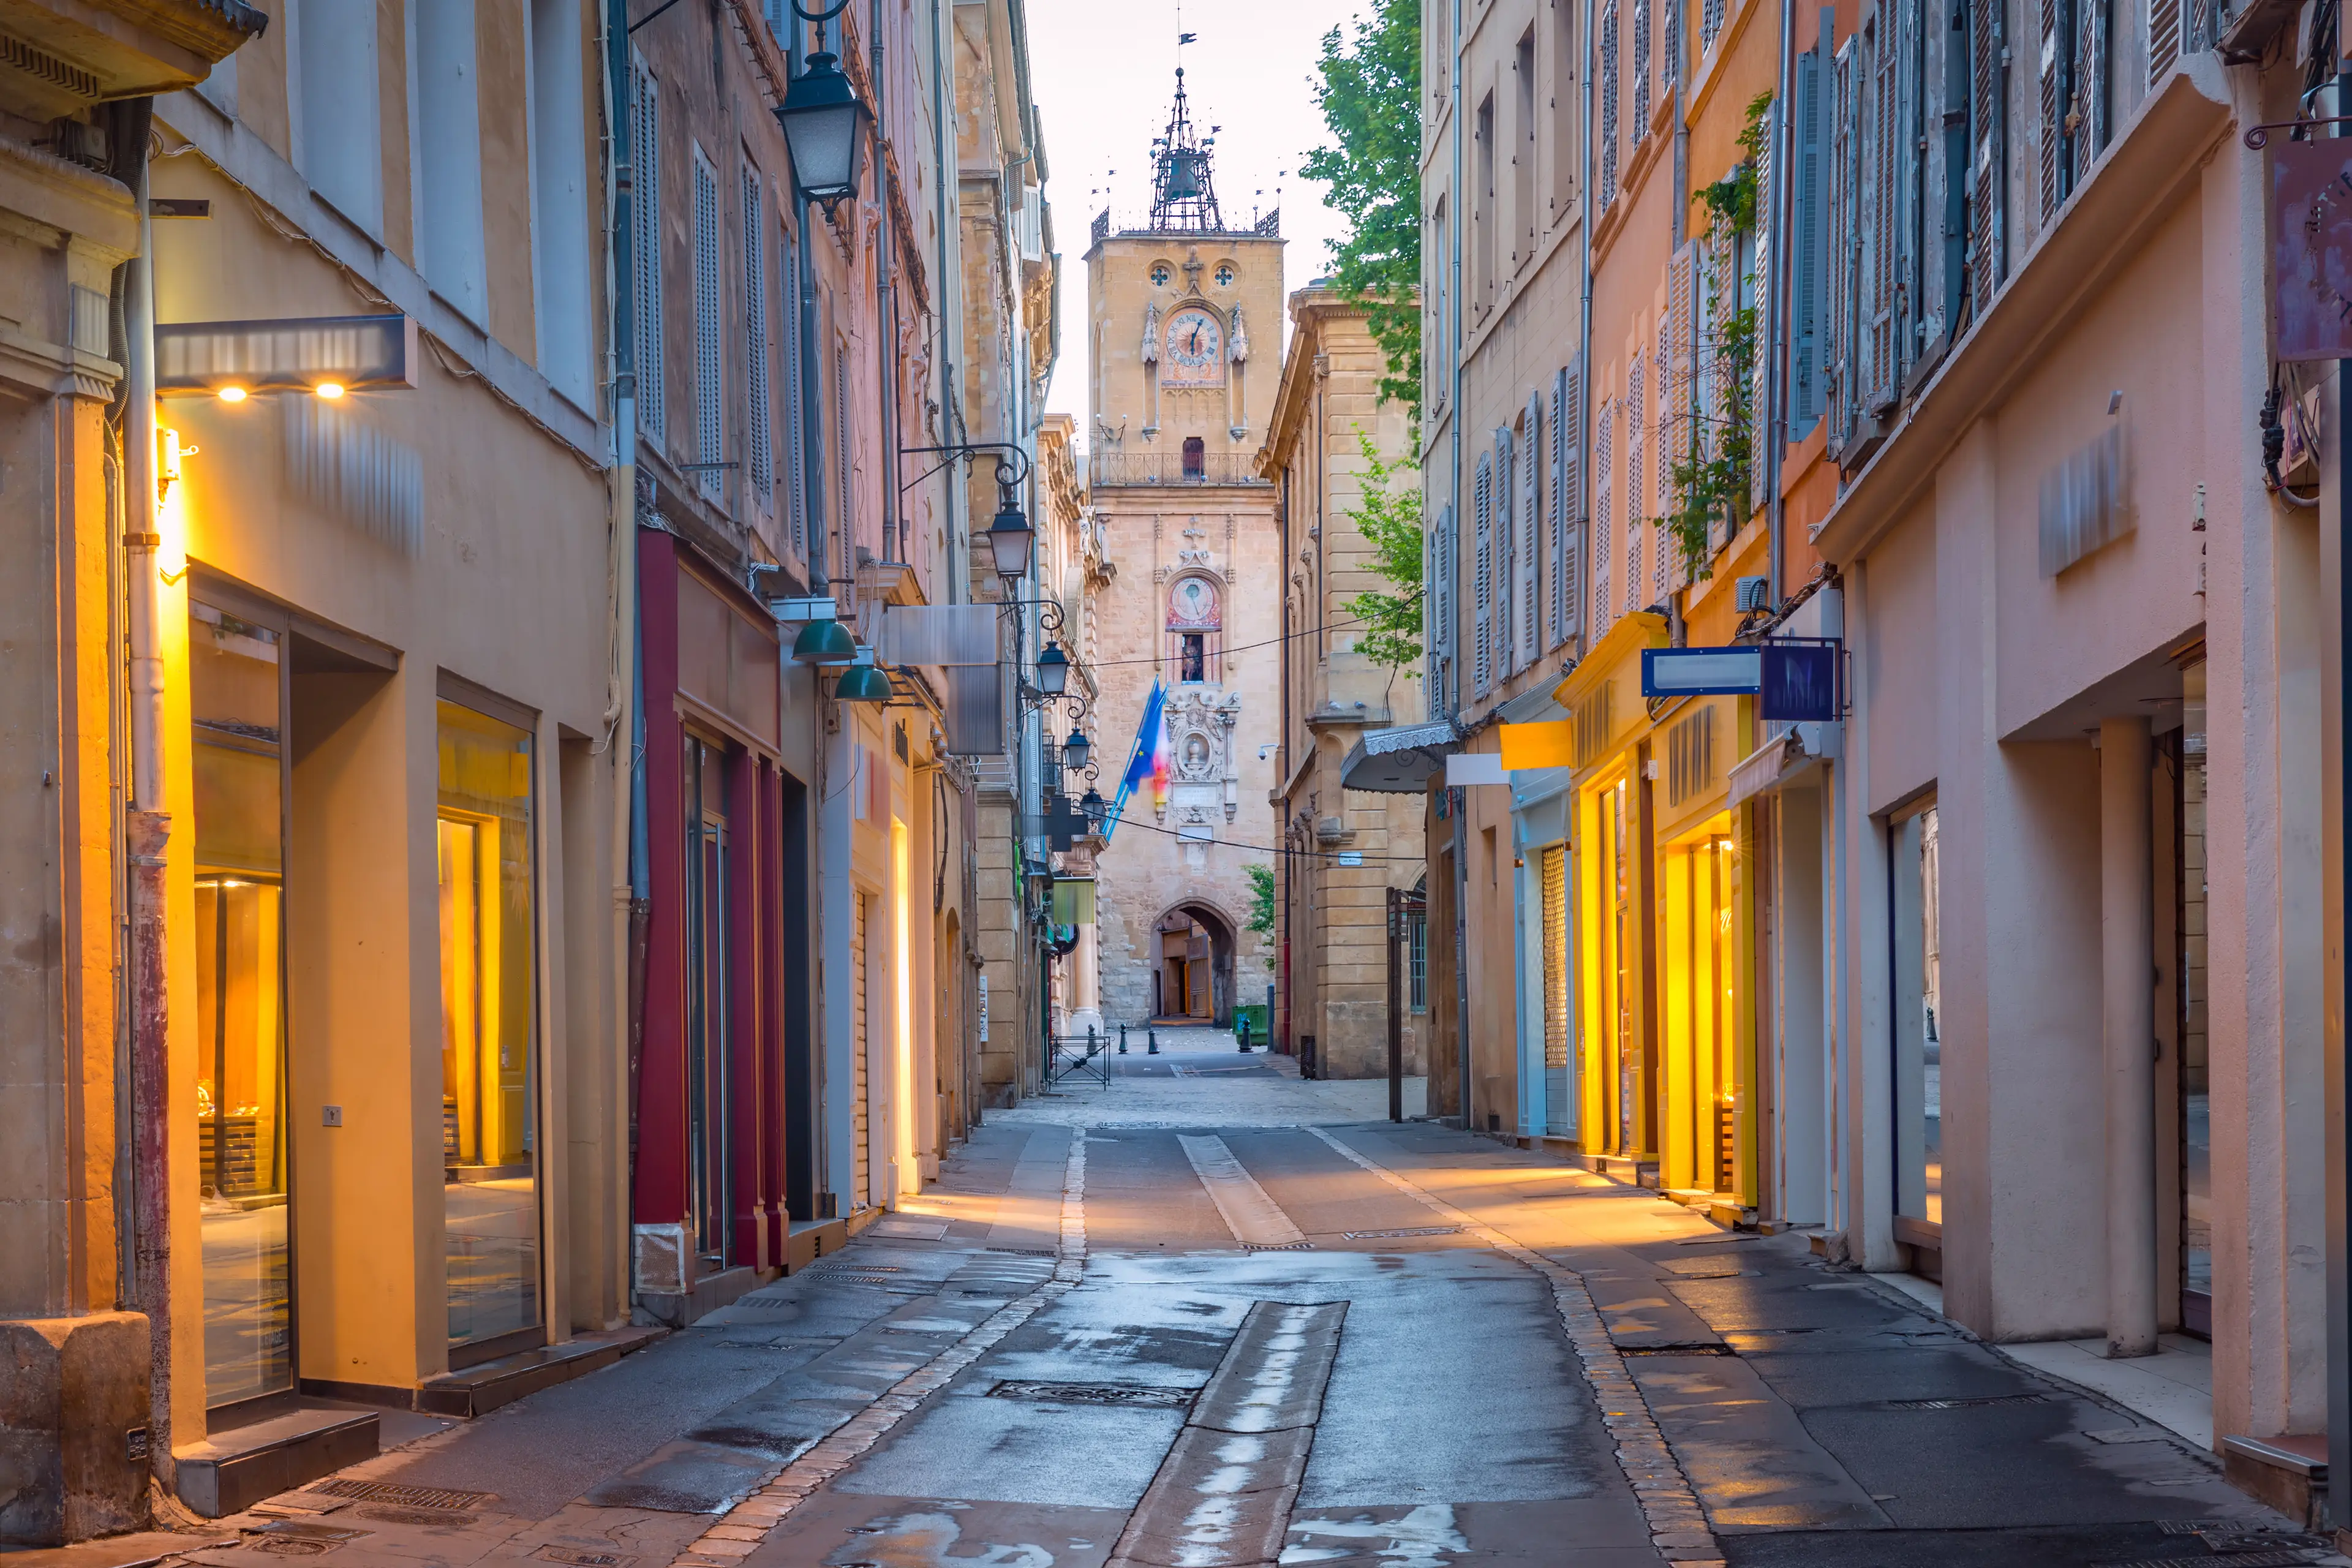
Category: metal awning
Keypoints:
(1399, 759)
(1781, 759)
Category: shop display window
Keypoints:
(489, 1026)
(237, 759)
(1918, 1065)
(2196, 1097)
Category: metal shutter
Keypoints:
(1554, 860)
(860, 1004)
(709, 413)
(645, 216)
(1530, 626)
(760, 452)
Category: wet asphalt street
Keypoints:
(1344, 1345)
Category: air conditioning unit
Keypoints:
(1752, 594)
(1331, 830)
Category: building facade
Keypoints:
(1180, 401)
(1344, 850)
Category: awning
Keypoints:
(1780, 759)
(1400, 759)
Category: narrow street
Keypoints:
(1126, 1343)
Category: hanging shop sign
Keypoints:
(315, 353)
(1793, 679)
(2311, 249)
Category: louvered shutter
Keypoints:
(709, 411)
(1481, 587)
(1556, 513)
(1570, 580)
(1882, 135)
(2048, 159)
(1839, 286)
(1682, 353)
(1637, 473)
(1507, 557)
(1671, 56)
(645, 220)
(1605, 154)
(1640, 127)
(1530, 622)
(1913, 220)
(2089, 108)
(1808, 246)
(759, 416)
(1439, 633)
(1604, 516)
(1989, 168)
(796, 475)
(2163, 39)
(1759, 296)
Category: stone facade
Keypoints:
(1329, 916)
(1179, 399)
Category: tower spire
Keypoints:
(1184, 189)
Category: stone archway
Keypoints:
(1192, 965)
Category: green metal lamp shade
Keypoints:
(863, 681)
(824, 642)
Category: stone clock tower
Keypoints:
(1185, 318)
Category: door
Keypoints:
(237, 699)
(1560, 1106)
(861, 1012)
(708, 1041)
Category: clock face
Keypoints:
(1196, 345)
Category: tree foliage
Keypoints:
(1370, 91)
(1261, 915)
(1389, 517)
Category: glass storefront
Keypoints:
(1918, 1069)
(1560, 1102)
(2196, 1100)
(1612, 976)
(708, 1057)
(237, 699)
(489, 1026)
(1699, 884)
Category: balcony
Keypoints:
(1172, 468)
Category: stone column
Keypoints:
(2127, 993)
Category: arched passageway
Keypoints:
(1193, 968)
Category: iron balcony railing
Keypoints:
(1173, 469)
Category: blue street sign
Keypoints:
(1701, 671)
(1791, 680)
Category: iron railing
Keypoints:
(1086, 1056)
(1173, 469)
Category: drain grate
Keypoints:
(1981, 1402)
(1413, 1230)
(403, 1497)
(2289, 1557)
(1708, 1347)
(1277, 1247)
(1027, 1251)
(575, 1558)
(1132, 1396)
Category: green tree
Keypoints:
(1389, 517)
(1370, 90)
(1261, 915)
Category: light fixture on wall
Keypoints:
(1010, 540)
(1053, 670)
(825, 127)
(1075, 750)
(864, 680)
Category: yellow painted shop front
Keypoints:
(1664, 927)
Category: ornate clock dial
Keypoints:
(1196, 342)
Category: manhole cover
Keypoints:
(445, 1516)
(1132, 1395)
(1707, 1269)
(1706, 1348)
(403, 1497)
(290, 1546)
(576, 1558)
(303, 1529)
(1413, 1230)
(1978, 1402)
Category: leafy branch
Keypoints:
(1261, 914)
(1388, 518)
(1370, 91)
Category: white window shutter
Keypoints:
(1640, 126)
(1569, 583)
(710, 410)
(645, 216)
(2163, 39)
(1637, 472)
(1757, 295)
(1606, 152)
(1482, 586)
(1806, 248)
(1839, 285)
(1530, 624)
(1604, 511)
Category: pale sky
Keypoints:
(1104, 76)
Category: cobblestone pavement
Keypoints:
(1365, 1345)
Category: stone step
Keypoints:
(231, 1470)
(479, 1390)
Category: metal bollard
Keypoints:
(1152, 1042)
(1091, 1047)
(1242, 1029)
(1123, 1039)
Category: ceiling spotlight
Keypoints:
(232, 395)
(330, 390)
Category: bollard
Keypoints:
(1091, 1047)
(1150, 1042)
(1242, 1029)
(1123, 1039)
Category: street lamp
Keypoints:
(825, 641)
(1053, 670)
(826, 125)
(863, 681)
(1075, 750)
(1010, 540)
(1095, 806)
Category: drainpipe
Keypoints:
(886, 309)
(622, 718)
(148, 828)
(1776, 353)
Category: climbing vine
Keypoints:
(1712, 476)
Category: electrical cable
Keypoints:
(1237, 647)
(1267, 848)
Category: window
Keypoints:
(1195, 629)
(1918, 1048)
(1196, 457)
(450, 147)
(1417, 961)
(341, 153)
(646, 221)
(1160, 274)
(1194, 658)
(1482, 204)
(1523, 152)
(561, 242)
(1607, 151)
(490, 1019)
(759, 451)
(1225, 276)
(1566, 111)
(709, 413)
